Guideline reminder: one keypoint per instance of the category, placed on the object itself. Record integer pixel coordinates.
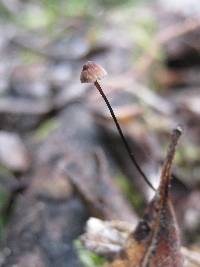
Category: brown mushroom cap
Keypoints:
(92, 72)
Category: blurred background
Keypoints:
(61, 158)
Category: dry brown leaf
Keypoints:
(108, 238)
(156, 240)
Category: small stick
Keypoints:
(166, 170)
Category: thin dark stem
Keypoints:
(132, 157)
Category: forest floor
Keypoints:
(61, 158)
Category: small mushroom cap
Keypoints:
(92, 72)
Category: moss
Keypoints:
(45, 129)
(3, 219)
(133, 196)
(88, 258)
(188, 154)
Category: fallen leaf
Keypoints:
(156, 240)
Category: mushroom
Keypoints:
(91, 73)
